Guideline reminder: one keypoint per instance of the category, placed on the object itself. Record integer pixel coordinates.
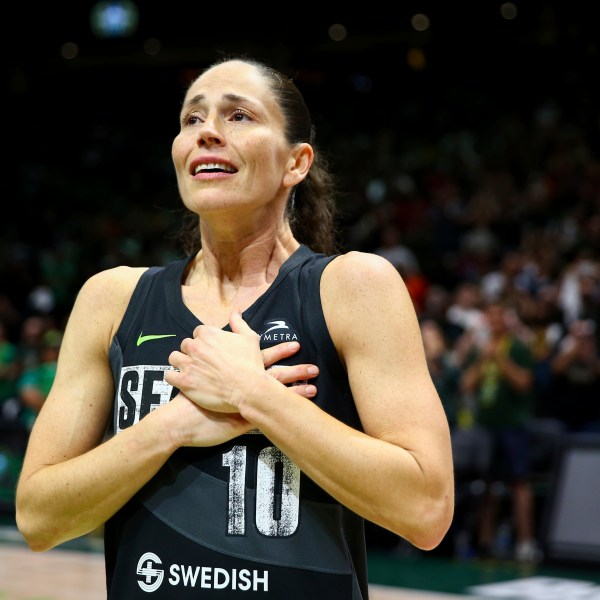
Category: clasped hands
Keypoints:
(215, 369)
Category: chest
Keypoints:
(213, 307)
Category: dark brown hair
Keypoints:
(311, 209)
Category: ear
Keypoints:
(299, 164)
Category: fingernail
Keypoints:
(311, 390)
(313, 370)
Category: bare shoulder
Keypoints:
(115, 281)
(104, 296)
(360, 275)
(110, 288)
(366, 261)
(359, 287)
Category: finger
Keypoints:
(293, 374)
(172, 377)
(176, 358)
(306, 390)
(185, 344)
(238, 325)
(276, 353)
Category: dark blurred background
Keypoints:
(397, 93)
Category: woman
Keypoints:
(217, 474)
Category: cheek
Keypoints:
(179, 154)
(270, 163)
(180, 150)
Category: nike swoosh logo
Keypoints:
(147, 338)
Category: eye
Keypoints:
(192, 120)
(240, 115)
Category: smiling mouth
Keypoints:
(213, 168)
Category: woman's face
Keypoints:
(231, 152)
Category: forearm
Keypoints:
(382, 481)
(65, 500)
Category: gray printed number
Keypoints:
(273, 518)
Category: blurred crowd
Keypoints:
(496, 232)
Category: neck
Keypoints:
(239, 261)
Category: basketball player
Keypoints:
(233, 417)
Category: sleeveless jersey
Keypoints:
(236, 520)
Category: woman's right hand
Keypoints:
(200, 427)
(193, 425)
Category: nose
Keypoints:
(210, 133)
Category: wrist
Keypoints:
(255, 399)
(164, 429)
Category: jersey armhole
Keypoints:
(136, 302)
(115, 353)
(314, 318)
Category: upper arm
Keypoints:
(76, 412)
(375, 328)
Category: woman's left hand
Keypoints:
(215, 367)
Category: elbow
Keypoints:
(36, 546)
(434, 524)
(35, 531)
(35, 538)
(429, 521)
(37, 541)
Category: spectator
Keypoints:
(29, 344)
(9, 371)
(499, 373)
(442, 367)
(464, 311)
(576, 371)
(36, 381)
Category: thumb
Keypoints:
(238, 325)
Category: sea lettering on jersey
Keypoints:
(141, 389)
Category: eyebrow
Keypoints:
(199, 98)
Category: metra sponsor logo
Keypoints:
(277, 330)
(151, 576)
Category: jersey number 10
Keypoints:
(277, 492)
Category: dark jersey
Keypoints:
(237, 520)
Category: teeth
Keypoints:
(212, 167)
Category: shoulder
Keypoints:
(354, 267)
(360, 292)
(361, 275)
(112, 286)
(104, 296)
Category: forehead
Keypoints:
(234, 78)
